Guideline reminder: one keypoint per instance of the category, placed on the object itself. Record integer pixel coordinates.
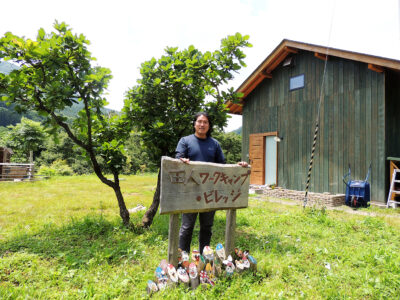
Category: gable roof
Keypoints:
(264, 70)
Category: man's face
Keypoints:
(201, 126)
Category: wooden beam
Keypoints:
(253, 85)
(290, 50)
(237, 110)
(366, 58)
(233, 108)
(278, 59)
(265, 74)
(321, 56)
(375, 68)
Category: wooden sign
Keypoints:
(200, 186)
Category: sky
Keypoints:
(125, 33)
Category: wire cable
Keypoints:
(319, 112)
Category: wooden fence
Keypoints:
(17, 172)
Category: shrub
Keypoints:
(62, 168)
(46, 171)
(58, 167)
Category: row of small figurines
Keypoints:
(203, 269)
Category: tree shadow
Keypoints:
(262, 242)
(96, 239)
(259, 243)
(92, 238)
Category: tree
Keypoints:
(55, 72)
(61, 147)
(3, 135)
(173, 88)
(137, 156)
(25, 137)
(231, 144)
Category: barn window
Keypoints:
(296, 82)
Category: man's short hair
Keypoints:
(203, 113)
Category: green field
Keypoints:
(62, 238)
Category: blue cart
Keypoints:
(357, 191)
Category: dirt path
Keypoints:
(343, 208)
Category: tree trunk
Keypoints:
(123, 211)
(148, 217)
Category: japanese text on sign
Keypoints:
(200, 186)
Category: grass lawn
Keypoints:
(62, 238)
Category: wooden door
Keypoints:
(257, 158)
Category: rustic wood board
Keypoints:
(200, 186)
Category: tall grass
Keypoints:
(62, 238)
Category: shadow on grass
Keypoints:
(243, 240)
(92, 239)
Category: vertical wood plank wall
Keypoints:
(352, 123)
(393, 114)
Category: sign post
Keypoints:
(201, 187)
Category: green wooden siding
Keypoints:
(352, 123)
(393, 114)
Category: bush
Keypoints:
(58, 167)
(62, 168)
(46, 171)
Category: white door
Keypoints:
(270, 160)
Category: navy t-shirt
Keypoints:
(197, 149)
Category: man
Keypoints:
(199, 146)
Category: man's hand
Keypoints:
(243, 164)
(185, 160)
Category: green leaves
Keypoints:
(175, 86)
(25, 136)
(41, 34)
(56, 72)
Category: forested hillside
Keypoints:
(238, 131)
(8, 116)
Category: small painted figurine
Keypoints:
(208, 254)
(230, 268)
(173, 276)
(151, 287)
(193, 275)
(220, 251)
(183, 275)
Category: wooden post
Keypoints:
(173, 238)
(230, 231)
(30, 172)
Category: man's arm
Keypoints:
(181, 151)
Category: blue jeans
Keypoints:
(186, 230)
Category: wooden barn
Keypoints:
(5, 156)
(14, 171)
(359, 119)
